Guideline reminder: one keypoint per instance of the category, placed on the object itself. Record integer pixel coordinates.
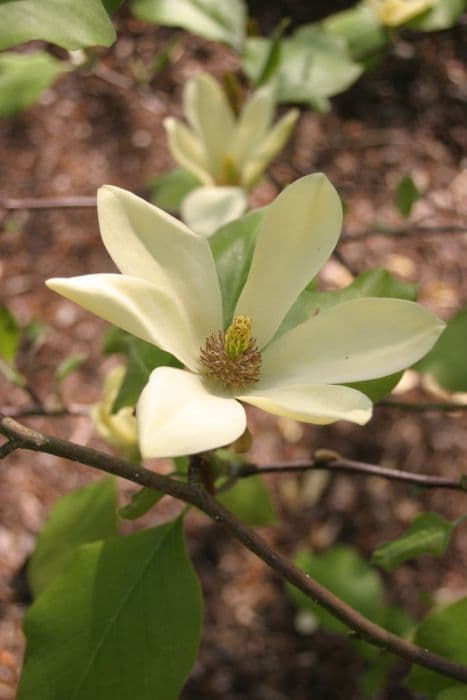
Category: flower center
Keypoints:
(232, 356)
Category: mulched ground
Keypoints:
(407, 116)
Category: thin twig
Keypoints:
(44, 412)
(72, 202)
(355, 467)
(9, 447)
(445, 406)
(197, 496)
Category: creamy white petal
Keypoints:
(187, 150)
(137, 306)
(212, 118)
(312, 403)
(179, 414)
(297, 235)
(357, 340)
(254, 121)
(266, 149)
(144, 241)
(206, 209)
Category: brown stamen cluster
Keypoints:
(234, 372)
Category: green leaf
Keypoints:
(141, 502)
(428, 533)
(454, 692)
(314, 66)
(359, 27)
(443, 631)
(232, 247)
(81, 516)
(24, 77)
(70, 24)
(68, 366)
(250, 501)
(169, 191)
(142, 359)
(218, 21)
(442, 15)
(9, 335)
(447, 360)
(112, 6)
(116, 341)
(344, 572)
(273, 56)
(407, 194)
(123, 621)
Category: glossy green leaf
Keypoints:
(142, 359)
(82, 516)
(112, 6)
(314, 66)
(232, 247)
(168, 191)
(344, 572)
(428, 533)
(447, 361)
(68, 366)
(443, 631)
(273, 55)
(123, 621)
(24, 77)
(360, 29)
(250, 501)
(70, 24)
(407, 194)
(116, 341)
(141, 502)
(443, 14)
(9, 335)
(218, 21)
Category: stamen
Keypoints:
(232, 356)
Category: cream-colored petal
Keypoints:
(357, 340)
(146, 242)
(206, 209)
(312, 403)
(296, 236)
(179, 414)
(187, 150)
(265, 150)
(212, 118)
(137, 306)
(254, 121)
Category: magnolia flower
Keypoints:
(227, 154)
(393, 13)
(168, 294)
(119, 429)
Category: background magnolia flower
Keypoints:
(169, 295)
(119, 429)
(393, 13)
(228, 154)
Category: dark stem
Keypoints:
(73, 202)
(197, 496)
(447, 407)
(348, 465)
